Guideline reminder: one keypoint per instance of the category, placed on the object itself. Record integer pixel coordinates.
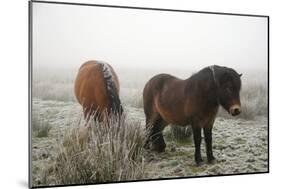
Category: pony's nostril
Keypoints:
(236, 111)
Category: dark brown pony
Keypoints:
(195, 101)
(97, 90)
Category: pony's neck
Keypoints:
(207, 86)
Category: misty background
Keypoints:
(67, 35)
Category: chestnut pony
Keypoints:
(97, 90)
(194, 101)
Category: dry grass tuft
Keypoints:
(103, 152)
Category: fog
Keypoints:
(65, 36)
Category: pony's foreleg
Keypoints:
(197, 142)
(208, 141)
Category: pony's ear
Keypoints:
(240, 75)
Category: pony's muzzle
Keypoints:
(235, 110)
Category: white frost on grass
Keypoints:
(240, 146)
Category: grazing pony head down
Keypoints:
(228, 84)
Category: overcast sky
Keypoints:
(67, 36)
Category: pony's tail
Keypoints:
(113, 96)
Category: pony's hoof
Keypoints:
(199, 163)
(212, 161)
(146, 146)
(158, 148)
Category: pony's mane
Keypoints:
(111, 88)
(217, 73)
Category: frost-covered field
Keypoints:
(240, 144)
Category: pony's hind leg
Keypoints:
(90, 114)
(87, 115)
(155, 140)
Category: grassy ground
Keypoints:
(240, 147)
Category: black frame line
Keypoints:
(146, 8)
(145, 180)
(30, 72)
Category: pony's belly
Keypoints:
(172, 113)
(175, 118)
(181, 122)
